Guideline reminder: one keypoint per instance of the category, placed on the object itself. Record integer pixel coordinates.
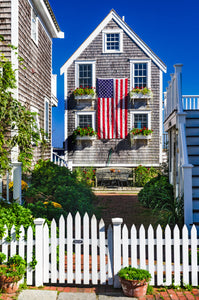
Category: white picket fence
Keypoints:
(90, 254)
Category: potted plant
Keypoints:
(11, 272)
(134, 281)
(84, 93)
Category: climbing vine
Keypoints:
(17, 124)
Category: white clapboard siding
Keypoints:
(53, 252)
(167, 254)
(86, 249)
(77, 249)
(61, 250)
(29, 273)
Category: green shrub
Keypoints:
(53, 183)
(156, 193)
(144, 175)
(14, 214)
(85, 175)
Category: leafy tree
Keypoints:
(17, 124)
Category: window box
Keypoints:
(84, 97)
(86, 138)
(134, 138)
(141, 96)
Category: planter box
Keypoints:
(141, 96)
(133, 138)
(86, 138)
(84, 97)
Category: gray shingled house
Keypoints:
(31, 26)
(113, 61)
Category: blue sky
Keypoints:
(169, 27)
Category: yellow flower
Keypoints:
(24, 185)
(55, 204)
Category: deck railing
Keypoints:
(58, 160)
(175, 103)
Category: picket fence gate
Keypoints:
(90, 254)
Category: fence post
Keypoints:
(39, 269)
(17, 181)
(116, 249)
(70, 165)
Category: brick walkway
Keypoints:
(158, 292)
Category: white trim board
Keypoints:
(113, 15)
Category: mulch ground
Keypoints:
(124, 206)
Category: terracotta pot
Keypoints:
(8, 284)
(133, 288)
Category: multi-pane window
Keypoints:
(85, 120)
(140, 120)
(46, 120)
(140, 75)
(85, 75)
(113, 41)
(34, 26)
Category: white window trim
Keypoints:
(135, 61)
(34, 109)
(93, 113)
(35, 40)
(104, 33)
(139, 112)
(45, 129)
(85, 62)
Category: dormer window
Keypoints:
(112, 41)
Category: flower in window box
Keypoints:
(140, 91)
(141, 131)
(84, 132)
(84, 91)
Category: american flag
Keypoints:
(112, 108)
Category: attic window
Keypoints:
(112, 41)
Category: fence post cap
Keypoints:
(39, 221)
(117, 221)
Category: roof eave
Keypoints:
(48, 19)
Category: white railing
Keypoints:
(190, 102)
(15, 176)
(58, 160)
(95, 255)
(175, 102)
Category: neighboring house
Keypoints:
(31, 25)
(181, 121)
(113, 51)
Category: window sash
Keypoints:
(113, 41)
(34, 29)
(85, 75)
(140, 121)
(140, 75)
(85, 120)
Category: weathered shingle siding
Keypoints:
(5, 25)
(116, 66)
(35, 80)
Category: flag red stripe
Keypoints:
(126, 99)
(116, 110)
(121, 110)
(98, 121)
(103, 117)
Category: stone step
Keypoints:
(193, 149)
(194, 159)
(192, 140)
(192, 131)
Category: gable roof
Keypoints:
(46, 13)
(114, 16)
